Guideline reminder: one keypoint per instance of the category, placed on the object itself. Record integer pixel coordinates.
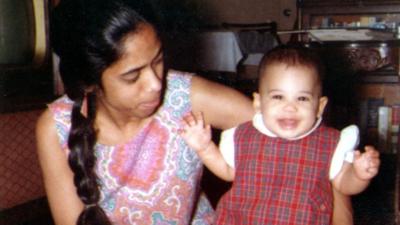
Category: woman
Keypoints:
(110, 149)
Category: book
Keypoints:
(362, 120)
(372, 111)
(395, 128)
(367, 120)
(381, 79)
(384, 129)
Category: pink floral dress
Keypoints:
(154, 178)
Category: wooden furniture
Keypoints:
(360, 70)
(342, 13)
(368, 60)
(397, 192)
(22, 194)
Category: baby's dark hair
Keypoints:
(88, 36)
(293, 55)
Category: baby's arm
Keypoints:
(197, 135)
(354, 177)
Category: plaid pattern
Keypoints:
(279, 181)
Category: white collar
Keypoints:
(258, 123)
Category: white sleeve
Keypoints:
(348, 142)
(227, 146)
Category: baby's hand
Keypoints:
(195, 132)
(366, 165)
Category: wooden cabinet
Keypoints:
(350, 13)
(351, 64)
(364, 59)
(308, 3)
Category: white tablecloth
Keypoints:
(217, 51)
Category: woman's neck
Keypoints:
(115, 127)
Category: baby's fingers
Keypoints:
(372, 157)
(373, 164)
(199, 118)
(191, 120)
(188, 118)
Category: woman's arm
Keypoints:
(223, 107)
(58, 178)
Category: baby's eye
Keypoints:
(277, 97)
(303, 98)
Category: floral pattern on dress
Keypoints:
(141, 161)
(153, 178)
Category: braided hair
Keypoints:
(88, 37)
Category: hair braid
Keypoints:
(82, 162)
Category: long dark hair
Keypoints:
(88, 37)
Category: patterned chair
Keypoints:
(22, 194)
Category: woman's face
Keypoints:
(133, 84)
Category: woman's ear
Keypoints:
(323, 101)
(256, 102)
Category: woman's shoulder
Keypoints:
(58, 116)
(44, 121)
(63, 103)
(46, 130)
(190, 80)
(176, 76)
(61, 109)
(177, 94)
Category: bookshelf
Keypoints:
(365, 31)
(362, 62)
(359, 41)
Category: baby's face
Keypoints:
(289, 99)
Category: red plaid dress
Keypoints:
(279, 181)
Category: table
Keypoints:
(219, 50)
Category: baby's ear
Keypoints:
(323, 102)
(256, 102)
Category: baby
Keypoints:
(284, 161)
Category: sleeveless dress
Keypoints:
(278, 181)
(155, 177)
